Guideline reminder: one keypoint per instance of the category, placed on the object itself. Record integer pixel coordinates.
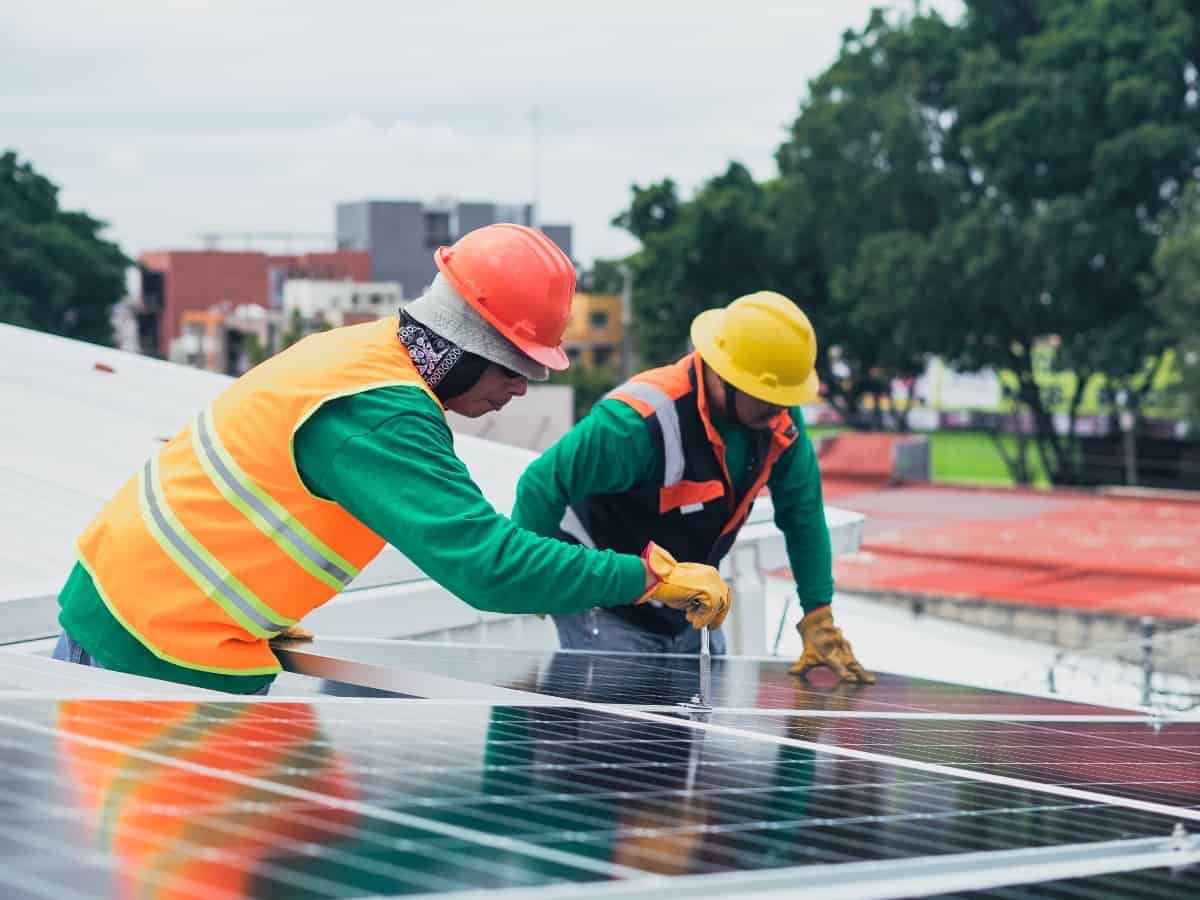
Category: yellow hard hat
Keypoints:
(763, 345)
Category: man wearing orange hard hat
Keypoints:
(677, 456)
(285, 486)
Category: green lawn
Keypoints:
(965, 457)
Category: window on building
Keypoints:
(573, 354)
(602, 355)
(376, 299)
(599, 318)
(437, 229)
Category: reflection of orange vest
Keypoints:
(216, 545)
(175, 830)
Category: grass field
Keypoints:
(966, 457)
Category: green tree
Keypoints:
(695, 254)
(57, 274)
(604, 277)
(1025, 154)
(1177, 300)
(1076, 125)
(968, 189)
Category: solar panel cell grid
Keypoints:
(340, 799)
(1151, 761)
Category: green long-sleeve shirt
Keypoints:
(387, 456)
(610, 451)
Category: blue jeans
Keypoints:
(70, 650)
(599, 629)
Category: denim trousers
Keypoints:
(599, 629)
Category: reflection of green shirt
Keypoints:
(610, 451)
(387, 456)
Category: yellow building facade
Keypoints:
(593, 336)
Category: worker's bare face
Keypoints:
(491, 392)
(751, 413)
(755, 414)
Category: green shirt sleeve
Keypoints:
(608, 452)
(795, 486)
(387, 456)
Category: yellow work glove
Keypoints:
(825, 646)
(695, 588)
(294, 633)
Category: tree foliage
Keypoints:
(1177, 301)
(967, 189)
(57, 273)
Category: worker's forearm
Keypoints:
(607, 452)
(795, 486)
(404, 482)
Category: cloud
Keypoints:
(170, 118)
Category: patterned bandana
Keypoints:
(432, 354)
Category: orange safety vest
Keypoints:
(173, 793)
(216, 545)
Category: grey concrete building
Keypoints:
(401, 235)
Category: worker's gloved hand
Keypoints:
(695, 588)
(294, 633)
(824, 645)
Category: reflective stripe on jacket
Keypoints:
(216, 545)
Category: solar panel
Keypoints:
(347, 797)
(1147, 760)
(655, 679)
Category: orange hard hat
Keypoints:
(519, 281)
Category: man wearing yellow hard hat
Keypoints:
(677, 455)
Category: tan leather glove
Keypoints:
(294, 633)
(824, 645)
(695, 588)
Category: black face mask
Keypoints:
(463, 376)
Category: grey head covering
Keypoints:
(441, 309)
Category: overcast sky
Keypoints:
(172, 118)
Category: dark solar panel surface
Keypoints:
(653, 680)
(1157, 762)
(331, 799)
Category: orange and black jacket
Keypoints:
(695, 509)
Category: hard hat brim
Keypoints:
(554, 358)
(706, 328)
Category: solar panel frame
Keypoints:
(466, 671)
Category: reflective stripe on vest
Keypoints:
(268, 516)
(205, 571)
(668, 420)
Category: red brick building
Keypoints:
(177, 280)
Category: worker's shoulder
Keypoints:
(369, 409)
(614, 414)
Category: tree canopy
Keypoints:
(968, 189)
(57, 273)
